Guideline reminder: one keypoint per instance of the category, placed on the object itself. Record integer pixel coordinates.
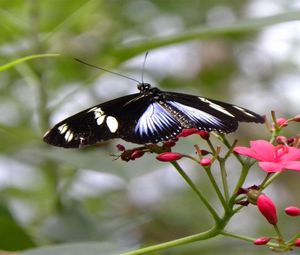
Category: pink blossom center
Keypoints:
(280, 150)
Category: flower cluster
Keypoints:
(274, 156)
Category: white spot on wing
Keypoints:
(100, 120)
(63, 128)
(99, 115)
(112, 123)
(69, 136)
(216, 106)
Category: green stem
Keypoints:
(246, 238)
(216, 187)
(263, 183)
(271, 179)
(229, 234)
(196, 190)
(294, 237)
(224, 178)
(245, 170)
(185, 240)
(280, 237)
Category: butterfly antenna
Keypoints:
(143, 69)
(106, 70)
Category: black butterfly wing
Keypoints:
(147, 117)
(95, 124)
(210, 115)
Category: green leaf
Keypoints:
(241, 26)
(12, 236)
(20, 60)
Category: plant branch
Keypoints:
(196, 190)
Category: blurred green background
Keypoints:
(244, 52)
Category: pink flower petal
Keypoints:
(291, 165)
(246, 151)
(264, 149)
(293, 154)
(270, 167)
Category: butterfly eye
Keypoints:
(143, 87)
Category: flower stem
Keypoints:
(245, 170)
(224, 178)
(196, 190)
(271, 179)
(280, 237)
(185, 240)
(228, 234)
(216, 187)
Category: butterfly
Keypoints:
(149, 116)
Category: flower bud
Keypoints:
(169, 156)
(290, 141)
(120, 147)
(282, 122)
(267, 208)
(136, 154)
(204, 134)
(281, 139)
(169, 143)
(262, 240)
(292, 211)
(187, 132)
(297, 242)
(204, 152)
(205, 162)
(297, 118)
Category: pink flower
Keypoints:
(272, 158)
(267, 208)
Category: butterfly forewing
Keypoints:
(211, 115)
(98, 123)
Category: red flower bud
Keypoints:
(292, 211)
(267, 207)
(205, 162)
(262, 240)
(187, 132)
(120, 147)
(282, 122)
(281, 139)
(204, 134)
(169, 156)
(297, 242)
(297, 118)
(204, 152)
(136, 154)
(169, 143)
(290, 141)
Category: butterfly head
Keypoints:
(144, 87)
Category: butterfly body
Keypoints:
(149, 116)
